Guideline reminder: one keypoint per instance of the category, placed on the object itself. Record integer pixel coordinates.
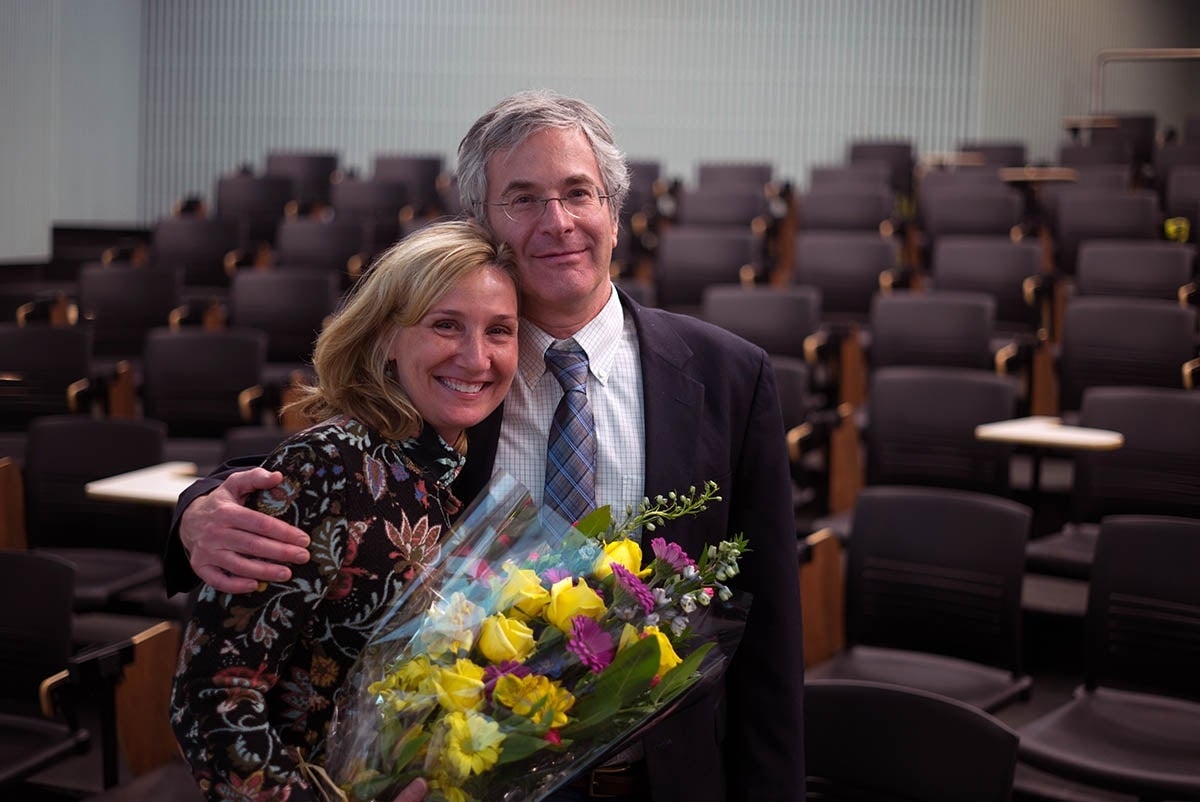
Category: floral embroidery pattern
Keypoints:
(253, 694)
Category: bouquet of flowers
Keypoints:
(532, 649)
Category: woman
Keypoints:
(425, 348)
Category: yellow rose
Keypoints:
(460, 687)
(568, 599)
(502, 638)
(624, 551)
(667, 659)
(523, 591)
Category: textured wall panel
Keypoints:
(28, 79)
(790, 81)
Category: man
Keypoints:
(676, 402)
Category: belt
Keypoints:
(604, 782)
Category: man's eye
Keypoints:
(522, 200)
(582, 193)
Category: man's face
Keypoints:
(563, 261)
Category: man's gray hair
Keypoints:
(514, 119)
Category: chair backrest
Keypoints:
(198, 246)
(369, 200)
(869, 175)
(845, 266)
(691, 258)
(1143, 616)
(995, 266)
(289, 305)
(949, 329)
(721, 206)
(38, 365)
(310, 173)
(193, 379)
(980, 209)
(887, 743)
(1134, 268)
(1122, 342)
(922, 428)
(325, 244)
(1183, 193)
(66, 452)
(732, 175)
(897, 154)
(122, 303)
(1101, 150)
(37, 592)
(1157, 469)
(777, 319)
(998, 153)
(1168, 157)
(938, 571)
(420, 172)
(846, 207)
(1087, 215)
(251, 441)
(256, 202)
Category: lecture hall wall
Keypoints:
(110, 111)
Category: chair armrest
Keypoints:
(1007, 359)
(747, 275)
(248, 403)
(895, 278)
(12, 506)
(79, 395)
(357, 264)
(1188, 294)
(1190, 370)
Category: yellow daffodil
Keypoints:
(460, 686)
(629, 636)
(667, 658)
(534, 697)
(502, 638)
(523, 591)
(569, 599)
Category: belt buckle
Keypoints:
(596, 777)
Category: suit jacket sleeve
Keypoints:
(765, 684)
(178, 575)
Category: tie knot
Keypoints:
(569, 367)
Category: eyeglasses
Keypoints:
(579, 202)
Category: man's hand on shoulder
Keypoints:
(234, 548)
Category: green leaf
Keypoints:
(596, 522)
(625, 679)
(680, 677)
(518, 747)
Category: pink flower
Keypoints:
(593, 646)
(629, 582)
(556, 574)
(671, 554)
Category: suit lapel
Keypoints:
(672, 400)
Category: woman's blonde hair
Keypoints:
(351, 358)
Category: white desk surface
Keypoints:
(158, 485)
(1050, 432)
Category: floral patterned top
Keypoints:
(254, 690)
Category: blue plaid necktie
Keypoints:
(571, 450)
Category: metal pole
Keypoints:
(1134, 54)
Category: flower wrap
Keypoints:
(532, 649)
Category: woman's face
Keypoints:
(457, 362)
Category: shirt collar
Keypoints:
(599, 339)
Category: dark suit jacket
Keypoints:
(711, 412)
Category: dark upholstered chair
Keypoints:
(933, 594)
(870, 741)
(1133, 727)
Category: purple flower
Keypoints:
(627, 581)
(494, 672)
(593, 646)
(553, 575)
(671, 554)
